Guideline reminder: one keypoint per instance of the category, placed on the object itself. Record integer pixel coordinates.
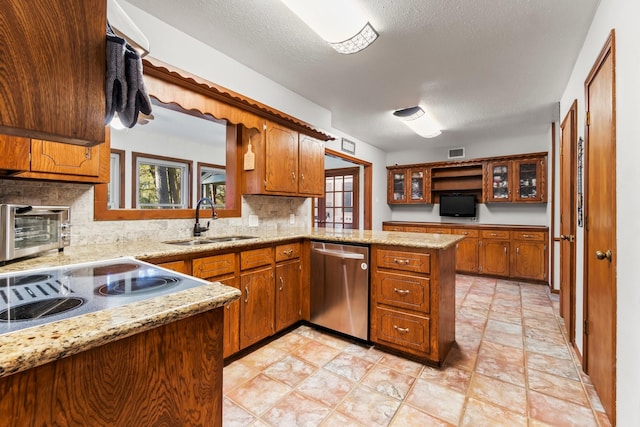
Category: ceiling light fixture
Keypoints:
(418, 121)
(339, 23)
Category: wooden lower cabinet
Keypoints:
(529, 256)
(181, 266)
(231, 338)
(288, 309)
(467, 251)
(413, 301)
(494, 257)
(515, 252)
(257, 305)
(168, 375)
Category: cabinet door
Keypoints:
(417, 180)
(311, 162)
(257, 306)
(494, 257)
(467, 255)
(281, 159)
(396, 186)
(55, 157)
(181, 266)
(53, 69)
(499, 185)
(529, 180)
(529, 260)
(15, 153)
(288, 310)
(231, 338)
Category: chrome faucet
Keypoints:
(197, 228)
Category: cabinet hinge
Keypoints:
(585, 327)
(587, 118)
(265, 183)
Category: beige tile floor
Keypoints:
(511, 366)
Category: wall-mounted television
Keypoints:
(458, 205)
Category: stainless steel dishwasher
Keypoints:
(340, 288)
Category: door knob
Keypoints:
(603, 255)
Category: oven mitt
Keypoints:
(137, 97)
(115, 79)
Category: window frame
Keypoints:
(185, 182)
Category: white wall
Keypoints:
(622, 15)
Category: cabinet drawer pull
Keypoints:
(401, 261)
(401, 291)
(526, 236)
(288, 252)
(246, 294)
(494, 234)
(281, 282)
(401, 330)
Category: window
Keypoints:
(212, 183)
(115, 189)
(161, 182)
(339, 207)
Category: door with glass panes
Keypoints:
(339, 207)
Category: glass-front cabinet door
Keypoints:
(397, 192)
(529, 180)
(500, 185)
(417, 179)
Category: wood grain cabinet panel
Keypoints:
(281, 159)
(257, 306)
(311, 166)
(467, 251)
(403, 291)
(402, 329)
(494, 257)
(231, 337)
(529, 260)
(405, 261)
(256, 258)
(288, 309)
(181, 266)
(213, 266)
(52, 77)
(15, 154)
(287, 252)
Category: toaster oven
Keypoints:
(28, 230)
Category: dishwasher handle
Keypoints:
(339, 254)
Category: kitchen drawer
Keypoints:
(495, 234)
(403, 291)
(406, 261)
(415, 229)
(256, 258)
(529, 235)
(438, 230)
(289, 251)
(179, 266)
(213, 266)
(466, 232)
(392, 228)
(403, 330)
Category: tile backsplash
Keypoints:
(273, 213)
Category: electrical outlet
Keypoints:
(253, 220)
(292, 219)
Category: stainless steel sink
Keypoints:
(210, 240)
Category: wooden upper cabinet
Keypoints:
(68, 159)
(311, 166)
(500, 182)
(15, 154)
(52, 76)
(285, 162)
(519, 180)
(408, 185)
(282, 159)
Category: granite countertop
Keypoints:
(31, 347)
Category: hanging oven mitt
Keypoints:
(115, 79)
(137, 97)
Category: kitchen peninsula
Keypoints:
(128, 363)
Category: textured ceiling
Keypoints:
(485, 69)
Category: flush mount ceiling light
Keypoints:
(340, 23)
(418, 121)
